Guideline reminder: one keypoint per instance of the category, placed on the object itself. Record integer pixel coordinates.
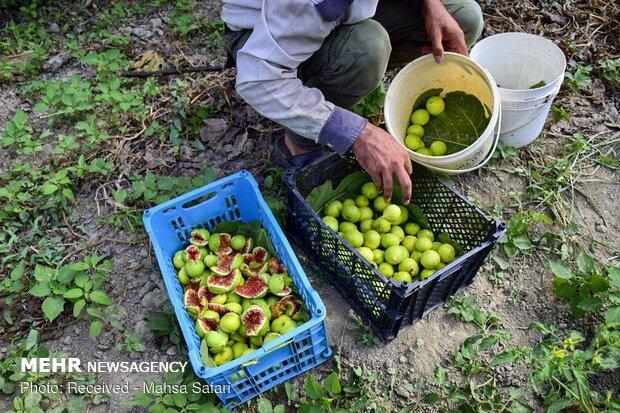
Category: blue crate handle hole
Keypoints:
(199, 200)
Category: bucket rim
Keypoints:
(550, 87)
(495, 112)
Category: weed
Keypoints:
(478, 389)
(610, 70)
(559, 113)
(578, 78)
(586, 287)
(517, 238)
(367, 337)
(371, 106)
(561, 367)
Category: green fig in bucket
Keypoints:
(424, 151)
(435, 105)
(413, 142)
(415, 130)
(420, 117)
(438, 148)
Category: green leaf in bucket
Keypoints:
(460, 124)
(539, 84)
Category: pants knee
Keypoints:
(366, 56)
(469, 17)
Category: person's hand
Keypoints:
(442, 30)
(380, 154)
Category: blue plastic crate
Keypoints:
(237, 198)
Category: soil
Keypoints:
(136, 285)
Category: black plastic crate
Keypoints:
(390, 306)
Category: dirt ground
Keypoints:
(525, 295)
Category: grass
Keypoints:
(81, 140)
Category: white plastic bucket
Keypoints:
(454, 73)
(518, 61)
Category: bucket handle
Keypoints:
(495, 142)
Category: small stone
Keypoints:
(148, 286)
(103, 346)
(54, 28)
(401, 392)
(402, 359)
(134, 355)
(172, 351)
(151, 301)
(601, 228)
(144, 331)
(156, 22)
(562, 326)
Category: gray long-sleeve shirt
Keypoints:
(285, 33)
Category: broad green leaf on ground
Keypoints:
(52, 307)
(325, 193)
(560, 269)
(332, 384)
(612, 315)
(95, 328)
(313, 388)
(460, 124)
(614, 276)
(31, 340)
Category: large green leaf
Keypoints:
(325, 193)
(460, 124)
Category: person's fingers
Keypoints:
(386, 177)
(405, 184)
(460, 46)
(408, 166)
(376, 179)
(436, 39)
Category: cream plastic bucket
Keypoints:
(454, 73)
(518, 61)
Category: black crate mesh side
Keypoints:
(446, 212)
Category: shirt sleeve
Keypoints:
(287, 34)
